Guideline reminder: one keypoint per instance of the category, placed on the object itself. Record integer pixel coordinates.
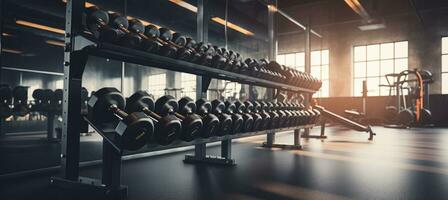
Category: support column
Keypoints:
(74, 63)
(201, 91)
(307, 66)
(273, 48)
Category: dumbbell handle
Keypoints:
(152, 114)
(179, 116)
(118, 111)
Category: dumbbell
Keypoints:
(218, 108)
(290, 115)
(84, 100)
(147, 44)
(168, 127)
(56, 100)
(237, 119)
(20, 96)
(5, 102)
(266, 118)
(127, 38)
(134, 130)
(248, 120)
(211, 121)
(283, 118)
(177, 40)
(273, 115)
(184, 109)
(258, 120)
(97, 23)
(43, 99)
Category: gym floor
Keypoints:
(398, 164)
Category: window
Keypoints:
(232, 90)
(320, 66)
(157, 85)
(188, 84)
(320, 62)
(444, 65)
(373, 62)
(296, 60)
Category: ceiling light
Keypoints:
(39, 26)
(185, 5)
(356, 6)
(232, 26)
(372, 27)
(218, 20)
(6, 35)
(87, 4)
(55, 43)
(11, 51)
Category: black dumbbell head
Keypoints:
(136, 26)
(192, 123)
(166, 105)
(237, 119)
(211, 121)
(247, 118)
(168, 127)
(100, 103)
(5, 94)
(165, 34)
(218, 108)
(152, 31)
(179, 39)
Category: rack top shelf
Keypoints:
(111, 51)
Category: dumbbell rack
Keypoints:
(79, 46)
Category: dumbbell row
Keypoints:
(15, 101)
(140, 119)
(114, 28)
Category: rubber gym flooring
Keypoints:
(398, 164)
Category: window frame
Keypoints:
(302, 68)
(380, 61)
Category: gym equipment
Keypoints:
(273, 122)
(237, 119)
(5, 102)
(134, 130)
(211, 121)
(20, 97)
(43, 100)
(184, 110)
(343, 121)
(417, 112)
(148, 44)
(126, 38)
(218, 108)
(168, 127)
(248, 120)
(257, 117)
(266, 118)
(97, 23)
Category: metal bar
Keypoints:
(226, 149)
(273, 48)
(31, 71)
(111, 167)
(203, 82)
(74, 63)
(148, 59)
(275, 8)
(297, 141)
(2, 6)
(322, 127)
(308, 65)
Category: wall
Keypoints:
(338, 24)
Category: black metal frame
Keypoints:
(78, 48)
